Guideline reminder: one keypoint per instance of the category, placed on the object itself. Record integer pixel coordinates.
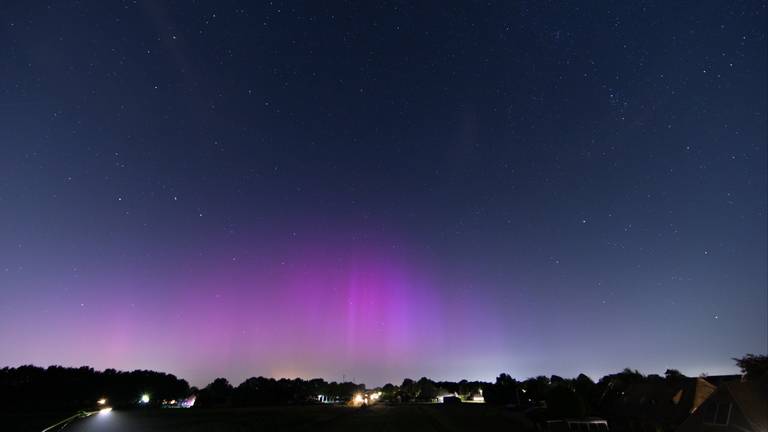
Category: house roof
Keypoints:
(749, 398)
(661, 397)
(698, 391)
(752, 399)
(716, 380)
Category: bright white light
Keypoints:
(145, 398)
(101, 401)
(105, 411)
(188, 402)
(358, 400)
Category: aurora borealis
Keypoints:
(378, 192)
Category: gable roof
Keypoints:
(691, 393)
(683, 395)
(752, 399)
(717, 380)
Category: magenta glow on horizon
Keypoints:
(307, 311)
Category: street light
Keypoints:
(144, 398)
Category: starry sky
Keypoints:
(379, 191)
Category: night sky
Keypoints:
(374, 192)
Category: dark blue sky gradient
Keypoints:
(561, 187)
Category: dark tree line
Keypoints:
(269, 391)
(427, 390)
(31, 388)
(35, 389)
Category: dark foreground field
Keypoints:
(465, 417)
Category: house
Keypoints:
(716, 380)
(734, 406)
(688, 394)
(658, 404)
(451, 400)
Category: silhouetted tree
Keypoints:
(389, 392)
(562, 402)
(587, 391)
(536, 388)
(34, 388)
(449, 387)
(427, 390)
(555, 379)
(503, 391)
(753, 366)
(216, 394)
(408, 390)
(56, 387)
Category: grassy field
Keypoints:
(416, 417)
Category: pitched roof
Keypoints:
(752, 399)
(716, 380)
(691, 392)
